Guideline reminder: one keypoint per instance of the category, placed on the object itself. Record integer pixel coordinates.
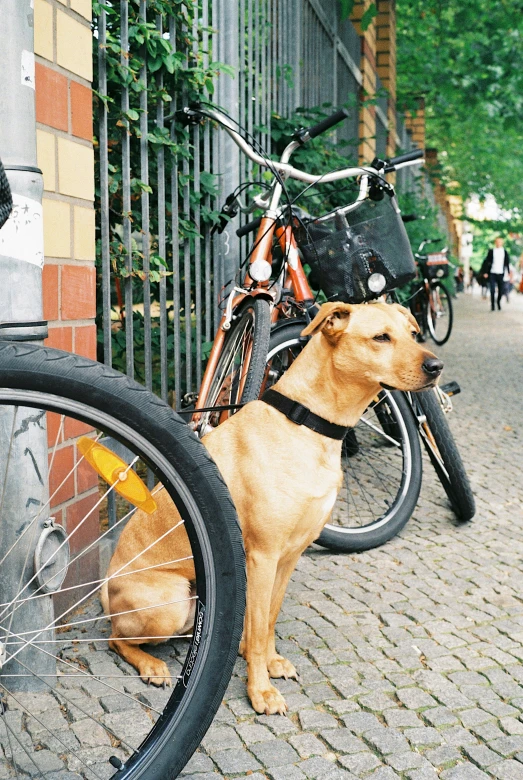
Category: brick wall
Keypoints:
(367, 146)
(64, 116)
(63, 48)
(386, 63)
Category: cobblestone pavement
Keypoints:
(410, 656)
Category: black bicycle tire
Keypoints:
(452, 475)
(360, 540)
(260, 345)
(36, 373)
(440, 342)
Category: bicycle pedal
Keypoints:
(450, 388)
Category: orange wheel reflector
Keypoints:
(114, 470)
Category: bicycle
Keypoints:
(383, 494)
(431, 303)
(118, 445)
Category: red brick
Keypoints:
(53, 426)
(87, 531)
(50, 292)
(74, 428)
(86, 476)
(78, 292)
(60, 338)
(51, 97)
(81, 111)
(62, 472)
(85, 341)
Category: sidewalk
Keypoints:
(410, 655)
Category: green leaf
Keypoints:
(368, 16)
(346, 9)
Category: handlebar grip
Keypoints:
(416, 154)
(409, 217)
(250, 227)
(326, 124)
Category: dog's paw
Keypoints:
(268, 702)
(155, 672)
(279, 666)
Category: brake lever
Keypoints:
(228, 211)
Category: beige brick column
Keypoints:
(367, 146)
(415, 122)
(386, 63)
(64, 68)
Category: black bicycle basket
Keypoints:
(343, 251)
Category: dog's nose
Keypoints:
(432, 366)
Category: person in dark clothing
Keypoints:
(494, 266)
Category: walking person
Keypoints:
(494, 266)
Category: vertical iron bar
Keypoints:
(197, 225)
(104, 189)
(160, 161)
(175, 237)
(207, 199)
(126, 195)
(187, 257)
(144, 174)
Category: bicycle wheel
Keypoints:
(439, 313)
(67, 703)
(444, 455)
(381, 461)
(241, 365)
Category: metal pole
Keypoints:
(225, 20)
(23, 465)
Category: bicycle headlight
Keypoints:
(260, 270)
(376, 283)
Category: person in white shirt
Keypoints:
(494, 266)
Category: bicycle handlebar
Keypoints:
(403, 159)
(249, 227)
(323, 126)
(286, 170)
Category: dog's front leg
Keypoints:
(277, 665)
(261, 575)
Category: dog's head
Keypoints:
(376, 344)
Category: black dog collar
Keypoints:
(299, 414)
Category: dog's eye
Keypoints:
(414, 334)
(382, 337)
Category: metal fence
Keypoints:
(286, 54)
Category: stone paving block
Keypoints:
(307, 745)
(276, 752)
(425, 773)
(464, 772)
(278, 724)
(234, 761)
(314, 720)
(317, 768)
(360, 722)
(415, 699)
(474, 717)
(198, 764)
(90, 734)
(221, 738)
(507, 770)
(443, 757)
(423, 737)
(290, 772)
(360, 763)
(386, 740)
(507, 746)
(399, 718)
(481, 755)
(401, 762)
(343, 741)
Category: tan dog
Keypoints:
(283, 478)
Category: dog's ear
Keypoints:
(408, 314)
(331, 320)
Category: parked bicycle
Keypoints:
(356, 253)
(430, 300)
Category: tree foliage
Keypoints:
(465, 57)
